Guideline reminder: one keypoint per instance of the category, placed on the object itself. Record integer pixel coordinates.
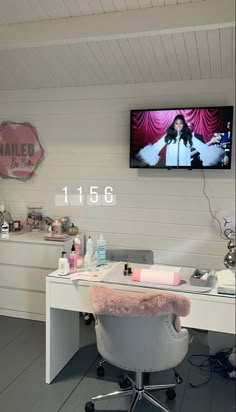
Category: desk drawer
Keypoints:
(22, 301)
(27, 254)
(70, 297)
(23, 277)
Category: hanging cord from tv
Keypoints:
(217, 363)
(209, 205)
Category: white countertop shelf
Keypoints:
(29, 237)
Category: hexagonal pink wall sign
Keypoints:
(20, 150)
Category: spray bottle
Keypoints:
(89, 253)
(80, 259)
(101, 251)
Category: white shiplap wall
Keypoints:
(85, 133)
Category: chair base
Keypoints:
(138, 391)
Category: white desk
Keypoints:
(65, 298)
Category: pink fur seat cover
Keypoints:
(108, 301)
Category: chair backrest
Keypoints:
(130, 255)
(141, 344)
(138, 343)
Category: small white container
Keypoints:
(5, 227)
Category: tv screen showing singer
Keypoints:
(181, 138)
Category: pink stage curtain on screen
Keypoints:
(149, 126)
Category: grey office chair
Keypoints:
(125, 255)
(142, 343)
(130, 255)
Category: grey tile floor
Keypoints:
(22, 374)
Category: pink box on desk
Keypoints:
(156, 276)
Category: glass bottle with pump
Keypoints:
(73, 259)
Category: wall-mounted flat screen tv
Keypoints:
(193, 138)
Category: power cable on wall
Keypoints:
(209, 205)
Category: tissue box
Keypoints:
(226, 282)
(200, 278)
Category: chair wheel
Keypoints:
(171, 394)
(88, 322)
(100, 372)
(88, 318)
(89, 407)
(124, 383)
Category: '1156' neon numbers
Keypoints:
(93, 197)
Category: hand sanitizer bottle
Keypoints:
(101, 251)
(63, 265)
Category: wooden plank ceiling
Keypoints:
(21, 11)
(182, 55)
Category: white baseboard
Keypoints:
(22, 315)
